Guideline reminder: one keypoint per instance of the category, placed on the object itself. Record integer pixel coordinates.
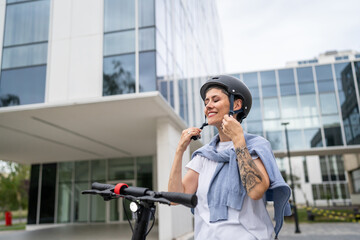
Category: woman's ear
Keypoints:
(237, 104)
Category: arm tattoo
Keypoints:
(249, 172)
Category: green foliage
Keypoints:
(14, 185)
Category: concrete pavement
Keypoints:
(321, 231)
(314, 231)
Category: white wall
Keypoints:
(174, 221)
(75, 50)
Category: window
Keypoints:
(349, 106)
(121, 169)
(25, 46)
(355, 177)
(22, 86)
(119, 75)
(250, 79)
(147, 74)
(48, 186)
(276, 140)
(306, 173)
(271, 108)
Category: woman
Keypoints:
(232, 173)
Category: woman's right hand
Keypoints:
(185, 138)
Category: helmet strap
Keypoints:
(232, 112)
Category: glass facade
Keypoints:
(24, 57)
(164, 42)
(320, 102)
(61, 184)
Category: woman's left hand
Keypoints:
(231, 127)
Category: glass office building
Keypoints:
(58, 56)
(321, 103)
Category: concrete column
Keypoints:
(174, 221)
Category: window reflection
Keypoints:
(22, 86)
(147, 72)
(313, 137)
(295, 139)
(146, 13)
(255, 113)
(332, 130)
(324, 78)
(268, 78)
(348, 102)
(328, 103)
(27, 22)
(250, 79)
(254, 127)
(119, 42)
(308, 105)
(289, 107)
(276, 140)
(119, 75)
(119, 15)
(271, 108)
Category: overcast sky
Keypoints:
(265, 34)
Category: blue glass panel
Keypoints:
(305, 88)
(163, 87)
(276, 140)
(119, 75)
(352, 127)
(288, 89)
(295, 140)
(161, 17)
(289, 107)
(326, 86)
(332, 130)
(328, 103)
(313, 137)
(254, 92)
(147, 74)
(348, 101)
(146, 13)
(21, 56)
(268, 78)
(147, 39)
(323, 72)
(182, 85)
(286, 76)
(22, 86)
(255, 111)
(269, 91)
(171, 85)
(271, 108)
(118, 43)
(333, 136)
(305, 74)
(119, 15)
(308, 105)
(357, 72)
(254, 127)
(250, 79)
(27, 22)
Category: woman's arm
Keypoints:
(188, 184)
(252, 171)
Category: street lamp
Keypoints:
(297, 229)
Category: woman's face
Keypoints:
(217, 105)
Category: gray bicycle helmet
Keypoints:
(236, 88)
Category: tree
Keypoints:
(14, 185)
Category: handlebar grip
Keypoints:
(135, 191)
(101, 186)
(188, 200)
